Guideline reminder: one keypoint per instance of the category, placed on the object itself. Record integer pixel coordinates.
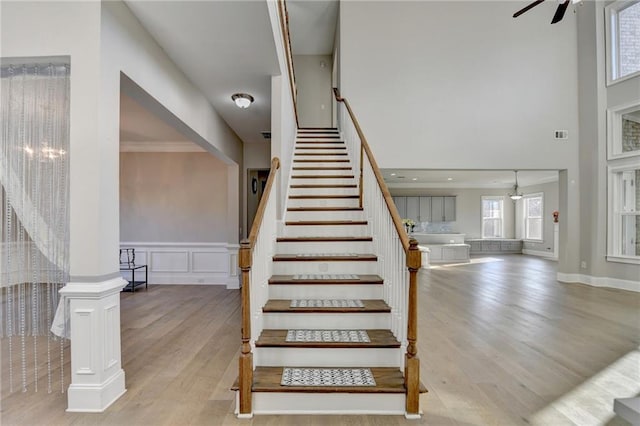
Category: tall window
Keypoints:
(492, 213)
(533, 208)
(623, 33)
(624, 226)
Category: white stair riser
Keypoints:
(333, 321)
(324, 149)
(322, 202)
(316, 162)
(328, 403)
(322, 191)
(325, 291)
(320, 158)
(326, 357)
(322, 181)
(321, 172)
(325, 215)
(324, 247)
(325, 231)
(346, 267)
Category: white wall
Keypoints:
(103, 40)
(463, 85)
(127, 48)
(32, 29)
(313, 82)
(283, 116)
(173, 197)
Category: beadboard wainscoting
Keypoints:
(189, 263)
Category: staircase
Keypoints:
(323, 314)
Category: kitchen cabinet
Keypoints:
(427, 209)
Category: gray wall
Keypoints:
(462, 85)
(173, 197)
(595, 98)
(313, 82)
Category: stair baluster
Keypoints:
(256, 265)
(400, 256)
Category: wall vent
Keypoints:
(562, 134)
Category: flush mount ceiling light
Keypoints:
(242, 100)
(516, 195)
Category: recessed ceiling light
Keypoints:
(393, 174)
(449, 178)
(414, 179)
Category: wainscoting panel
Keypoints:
(188, 263)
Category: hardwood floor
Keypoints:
(501, 342)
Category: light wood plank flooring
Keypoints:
(500, 342)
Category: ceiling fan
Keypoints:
(560, 11)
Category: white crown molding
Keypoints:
(628, 285)
(165, 146)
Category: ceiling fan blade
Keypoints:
(526, 8)
(562, 8)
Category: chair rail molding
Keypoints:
(189, 262)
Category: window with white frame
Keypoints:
(492, 217)
(624, 211)
(623, 33)
(533, 209)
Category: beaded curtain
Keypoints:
(34, 191)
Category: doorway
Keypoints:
(256, 182)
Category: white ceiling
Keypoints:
(312, 25)
(404, 178)
(223, 47)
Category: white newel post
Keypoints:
(97, 377)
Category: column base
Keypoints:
(92, 398)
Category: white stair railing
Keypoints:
(256, 263)
(398, 256)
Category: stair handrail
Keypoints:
(246, 262)
(413, 264)
(364, 148)
(286, 38)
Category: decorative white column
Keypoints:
(97, 377)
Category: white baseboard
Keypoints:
(187, 263)
(545, 254)
(600, 281)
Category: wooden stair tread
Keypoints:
(324, 186)
(320, 153)
(333, 160)
(326, 222)
(335, 196)
(322, 176)
(283, 305)
(323, 168)
(311, 142)
(322, 147)
(388, 380)
(323, 209)
(322, 239)
(277, 338)
(356, 257)
(362, 279)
